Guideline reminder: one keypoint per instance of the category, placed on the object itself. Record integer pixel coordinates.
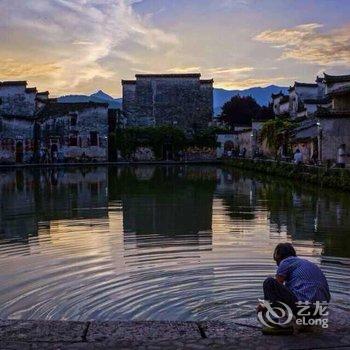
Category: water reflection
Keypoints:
(31, 198)
(172, 242)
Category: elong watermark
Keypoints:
(305, 314)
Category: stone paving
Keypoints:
(242, 333)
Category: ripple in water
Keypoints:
(157, 243)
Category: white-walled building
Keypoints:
(33, 125)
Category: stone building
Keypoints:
(305, 98)
(329, 126)
(74, 130)
(280, 104)
(34, 127)
(182, 100)
(18, 105)
(235, 142)
(334, 123)
(302, 100)
(16, 99)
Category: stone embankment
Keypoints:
(152, 335)
(152, 162)
(321, 176)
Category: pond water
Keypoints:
(158, 243)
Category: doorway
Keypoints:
(19, 152)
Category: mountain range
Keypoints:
(262, 95)
(98, 96)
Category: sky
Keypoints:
(81, 46)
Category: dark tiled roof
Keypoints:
(124, 82)
(243, 131)
(53, 109)
(13, 83)
(306, 133)
(320, 101)
(331, 113)
(187, 75)
(296, 84)
(344, 90)
(330, 79)
(31, 90)
(207, 81)
(273, 96)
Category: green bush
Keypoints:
(128, 140)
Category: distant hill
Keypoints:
(99, 96)
(261, 95)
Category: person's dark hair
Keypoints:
(283, 251)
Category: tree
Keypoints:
(265, 113)
(163, 136)
(240, 110)
(161, 139)
(112, 147)
(205, 138)
(276, 133)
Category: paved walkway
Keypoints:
(240, 334)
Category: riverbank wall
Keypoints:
(88, 164)
(238, 334)
(321, 176)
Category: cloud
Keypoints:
(184, 69)
(76, 35)
(308, 44)
(233, 70)
(232, 4)
(10, 68)
(249, 82)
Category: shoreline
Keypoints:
(62, 165)
(153, 335)
(336, 178)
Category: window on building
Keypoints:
(73, 140)
(93, 138)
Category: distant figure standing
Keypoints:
(243, 153)
(341, 156)
(298, 157)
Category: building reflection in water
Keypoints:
(173, 204)
(166, 242)
(31, 199)
(165, 207)
(315, 219)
